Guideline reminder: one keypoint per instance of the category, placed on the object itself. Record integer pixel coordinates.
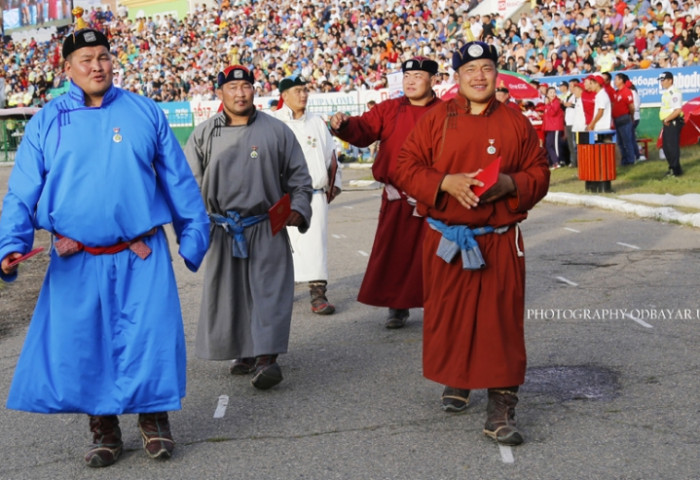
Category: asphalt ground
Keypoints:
(613, 362)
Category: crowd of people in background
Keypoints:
(353, 44)
(594, 103)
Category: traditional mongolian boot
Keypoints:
(242, 366)
(397, 318)
(455, 400)
(267, 372)
(155, 431)
(319, 302)
(500, 417)
(106, 439)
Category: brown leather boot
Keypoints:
(319, 302)
(155, 431)
(500, 417)
(106, 440)
(267, 372)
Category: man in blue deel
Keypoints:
(101, 170)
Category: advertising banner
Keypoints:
(687, 79)
(202, 110)
(24, 15)
(177, 113)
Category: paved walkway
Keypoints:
(654, 206)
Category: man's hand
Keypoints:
(459, 185)
(338, 120)
(504, 186)
(334, 193)
(7, 260)
(295, 219)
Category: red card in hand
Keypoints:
(279, 213)
(25, 256)
(489, 175)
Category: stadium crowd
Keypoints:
(341, 45)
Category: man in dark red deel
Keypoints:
(394, 274)
(473, 255)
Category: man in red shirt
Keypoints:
(607, 85)
(623, 119)
(640, 41)
(588, 99)
(394, 275)
(553, 123)
(474, 266)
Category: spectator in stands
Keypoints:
(637, 117)
(579, 122)
(535, 117)
(2, 88)
(266, 38)
(568, 102)
(553, 124)
(602, 112)
(623, 118)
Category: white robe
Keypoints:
(310, 250)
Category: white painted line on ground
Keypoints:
(336, 235)
(363, 253)
(638, 320)
(572, 230)
(221, 406)
(569, 282)
(628, 245)
(506, 454)
(348, 207)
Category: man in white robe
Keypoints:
(310, 250)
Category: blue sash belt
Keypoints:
(457, 238)
(234, 226)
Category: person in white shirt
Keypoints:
(310, 250)
(636, 117)
(476, 27)
(579, 122)
(568, 101)
(602, 116)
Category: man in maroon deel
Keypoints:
(473, 255)
(394, 274)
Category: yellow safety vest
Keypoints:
(670, 100)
